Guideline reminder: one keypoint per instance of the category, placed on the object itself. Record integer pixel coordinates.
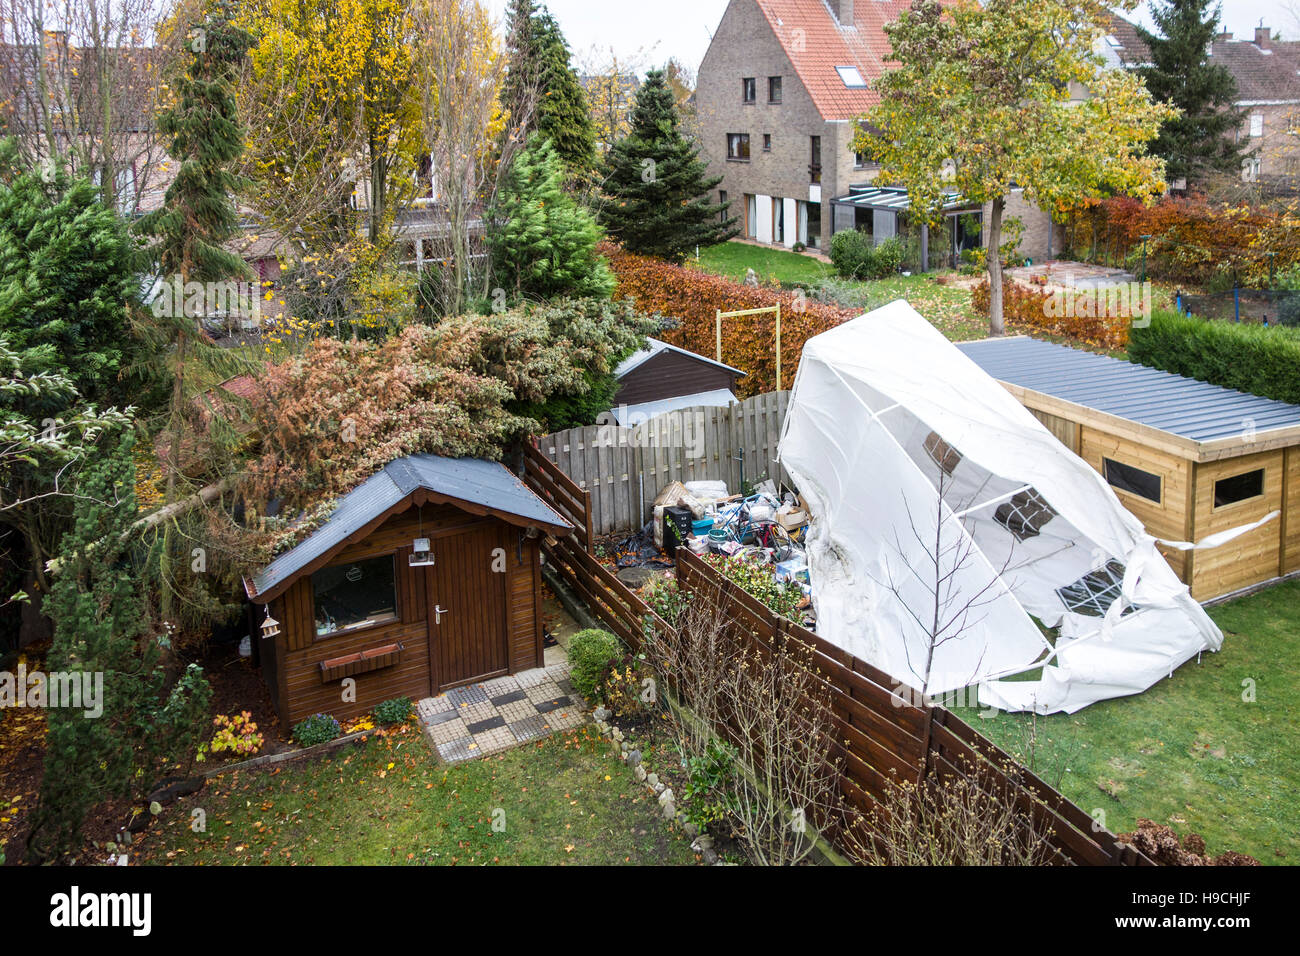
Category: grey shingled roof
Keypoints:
(656, 346)
(474, 480)
(1181, 406)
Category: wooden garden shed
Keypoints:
(425, 577)
(1189, 459)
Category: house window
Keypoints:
(943, 454)
(861, 161)
(767, 142)
(1133, 480)
(738, 146)
(1257, 125)
(774, 89)
(1095, 592)
(359, 594)
(748, 90)
(1230, 491)
(722, 201)
(1025, 514)
(851, 76)
(814, 159)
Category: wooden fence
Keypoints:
(624, 468)
(886, 735)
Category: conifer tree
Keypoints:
(656, 186)
(543, 243)
(1199, 141)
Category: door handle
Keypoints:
(438, 612)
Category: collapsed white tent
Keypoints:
(926, 477)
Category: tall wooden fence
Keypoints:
(624, 468)
(886, 735)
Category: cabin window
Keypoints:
(1133, 480)
(359, 594)
(943, 454)
(1229, 491)
(1096, 591)
(1025, 514)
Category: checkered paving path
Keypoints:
(481, 719)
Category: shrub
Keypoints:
(709, 791)
(316, 729)
(855, 255)
(886, 259)
(664, 596)
(694, 298)
(237, 734)
(590, 653)
(1025, 306)
(395, 711)
(622, 687)
(759, 581)
(1249, 358)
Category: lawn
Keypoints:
(564, 800)
(1195, 751)
(948, 307)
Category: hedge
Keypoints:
(1027, 307)
(1250, 358)
(693, 299)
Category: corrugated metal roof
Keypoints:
(474, 480)
(1181, 406)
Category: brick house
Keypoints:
(778, 95)
(1267, 72)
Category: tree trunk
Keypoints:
(994, 256)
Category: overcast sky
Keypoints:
(651, 31)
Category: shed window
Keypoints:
(1229, 491)
(1133, 480)
(1096, 591)
(355, 595)
(943, 454)
(1025, 514)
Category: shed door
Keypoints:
(468, 638)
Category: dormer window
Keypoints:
(851, 77)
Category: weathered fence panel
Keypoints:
(625, 467)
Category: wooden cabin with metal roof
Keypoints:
(1187, 458)
(425, 577)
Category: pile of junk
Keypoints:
(766, 527)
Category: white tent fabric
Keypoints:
(945, 515)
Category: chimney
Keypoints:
(1263, 35)
(1225, 36)
(843, 10)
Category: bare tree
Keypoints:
(80, 84)
(772, 708)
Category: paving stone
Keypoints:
(434, 705)
(431, 720)
(518, 710)
(469, 694)
(502, 699)
(448, 731)
(530, 728)
(483, 726)
(555, 703)
(532, 678)
(545, 691)
(471, 713)
(456, 751)
(500, 685)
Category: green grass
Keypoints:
(563, 800)
(947, 307)
(1190, 752)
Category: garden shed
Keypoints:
(425, 577)
(662, 378)
(1191, 460)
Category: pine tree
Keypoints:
(1200, 141)
(118, 742)
(544, 243)
(656, 185)
(542, 90)
(198, 213)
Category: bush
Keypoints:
(664, 597)
(710, 788)
(316, 729)
(590, 654)
(855, 255)
(1249, 358)
(622, 687)
(759, 582)
(395, 711)
(1029, 307)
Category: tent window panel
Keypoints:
(1133, 480)
(943, 454)
(1095, 592)
(1230, 491)
(1025, 514)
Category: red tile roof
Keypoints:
(816, 44)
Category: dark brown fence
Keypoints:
(886, 736)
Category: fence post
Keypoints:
(1236, 303)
